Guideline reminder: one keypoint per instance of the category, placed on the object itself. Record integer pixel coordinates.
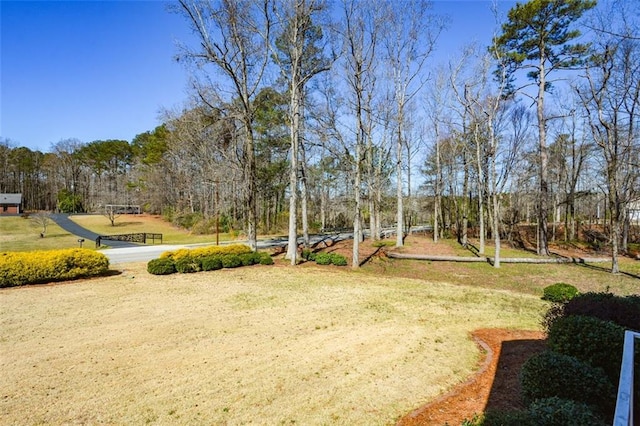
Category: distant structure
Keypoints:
(122, 209)
(10, 203)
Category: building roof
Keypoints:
(10, 198)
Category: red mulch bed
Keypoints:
(495, 386)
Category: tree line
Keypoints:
(307, 117)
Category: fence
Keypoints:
(624, 403)
(142, 237)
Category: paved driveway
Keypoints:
(62, 219)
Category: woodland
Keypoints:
(307, 116)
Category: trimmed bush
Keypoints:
(161, 267)
(590, 340)
(231, 261)
(201, 252)
(622, 310)
(330, 258)
(20, 268)
(562, 412)
(338, 259)
(505, 418)
(551, 374)
(211, 263)
(249, 259)
(308, 255)
(266, 259)
(323, 258)
(188, 264)
(559, 292)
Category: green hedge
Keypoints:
(622, 310)
(551, 374)
(231, 261)
(211, 263)
(559, 292)
(542, 412)
(330, 258)
(198, 254)
(591, 340)
(207, 259)
(161, 267)
(20, 268)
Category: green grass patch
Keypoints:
(18, 234)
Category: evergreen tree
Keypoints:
(536, 37)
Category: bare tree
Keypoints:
(611, 99)
(536, 37)
(41, 220)
(234, 38)
(411, 35)
(360, 34)
(111, 212)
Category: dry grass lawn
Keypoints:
(130, 224)
(260, 345)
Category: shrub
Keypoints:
(231, 261)
(266, 259)
(161, 267)
(559, 292)
(308, 255)
(188, 264)
(202, 252)
(338, 259)
(562, 412)
(20, 268)
(624, 311)
(589, 339)
(551, 374)
(505, 418)
(211, 263)
(249, 259)
(323, 258)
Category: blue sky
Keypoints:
(96, 70)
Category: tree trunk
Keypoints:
(399, 201)
(542, 246)
(292, 246)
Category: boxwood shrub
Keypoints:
(265, 259)
(552, 411)
(20, 268)
(211, 263)
(188, 264)
(551, 374)
(589, 339)
(249, 259)
(164, 266)
(330, 258)
(563, 412)
(308, 254)
(338, 259)
(231, 261)
(323, 258)
(622, 310)
(202, 252)
(559, 292)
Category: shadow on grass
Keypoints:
(505, 393)
(120, 224)
(607, 270)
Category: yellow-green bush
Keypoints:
(200, 253)
(19, 268)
